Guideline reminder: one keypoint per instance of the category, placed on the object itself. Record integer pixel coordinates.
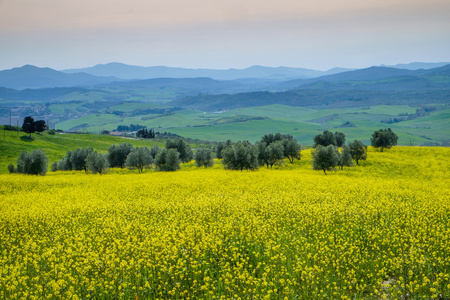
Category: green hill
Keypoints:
(56, 146)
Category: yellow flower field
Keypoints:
(379, 230)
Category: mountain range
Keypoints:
(124, 71)
(241, 80)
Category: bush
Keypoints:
(167, 160)
(204, 158)
(11, 168)
(52, 132)
(54, 166)
(34, 163)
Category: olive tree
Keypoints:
(325, 158)
(204, 158)
(167, 160)
(139, 158)
(358, 151)
(117, 154)
(384, 138)
(240, 156)
(270, 154)
(96, 162)
(34, 163)
(292, 150)
(345, 158)
(182, 147)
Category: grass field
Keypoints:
(377, 231)
(302, 123)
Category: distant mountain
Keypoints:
(371, 86)
(418, 65)
(136, 72)
(31, 77)
(376, 78)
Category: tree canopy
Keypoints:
(325, 158)
(384, 138)
(240, 156)
(182, 147)
(139, 158)
(358, 151)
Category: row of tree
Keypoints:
(329, 152)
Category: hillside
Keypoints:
(56, 146)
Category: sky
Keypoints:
(223, 34)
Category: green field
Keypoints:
(302, 123)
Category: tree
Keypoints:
(325, 158)
(28, 125)
(384, 138)
(240, 156)
(117, 155)
(40, 125)
(65, 163)
(34, 163)
(167, 160)
(358, 151)
(54, 166)
(204, 158)
(78, 158)
(139, 158)
(325, 139)
(220, 147)
(345, 158)
(154, 150)
(96, 162)
(270, 154)
(340, 139)
(182, 147)
(11, 168)
(292, 150)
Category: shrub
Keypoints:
(11, 168)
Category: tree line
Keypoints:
(330, 151)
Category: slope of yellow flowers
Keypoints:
(376, 231)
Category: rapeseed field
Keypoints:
(376, 231)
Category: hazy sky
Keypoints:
(316, 34)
